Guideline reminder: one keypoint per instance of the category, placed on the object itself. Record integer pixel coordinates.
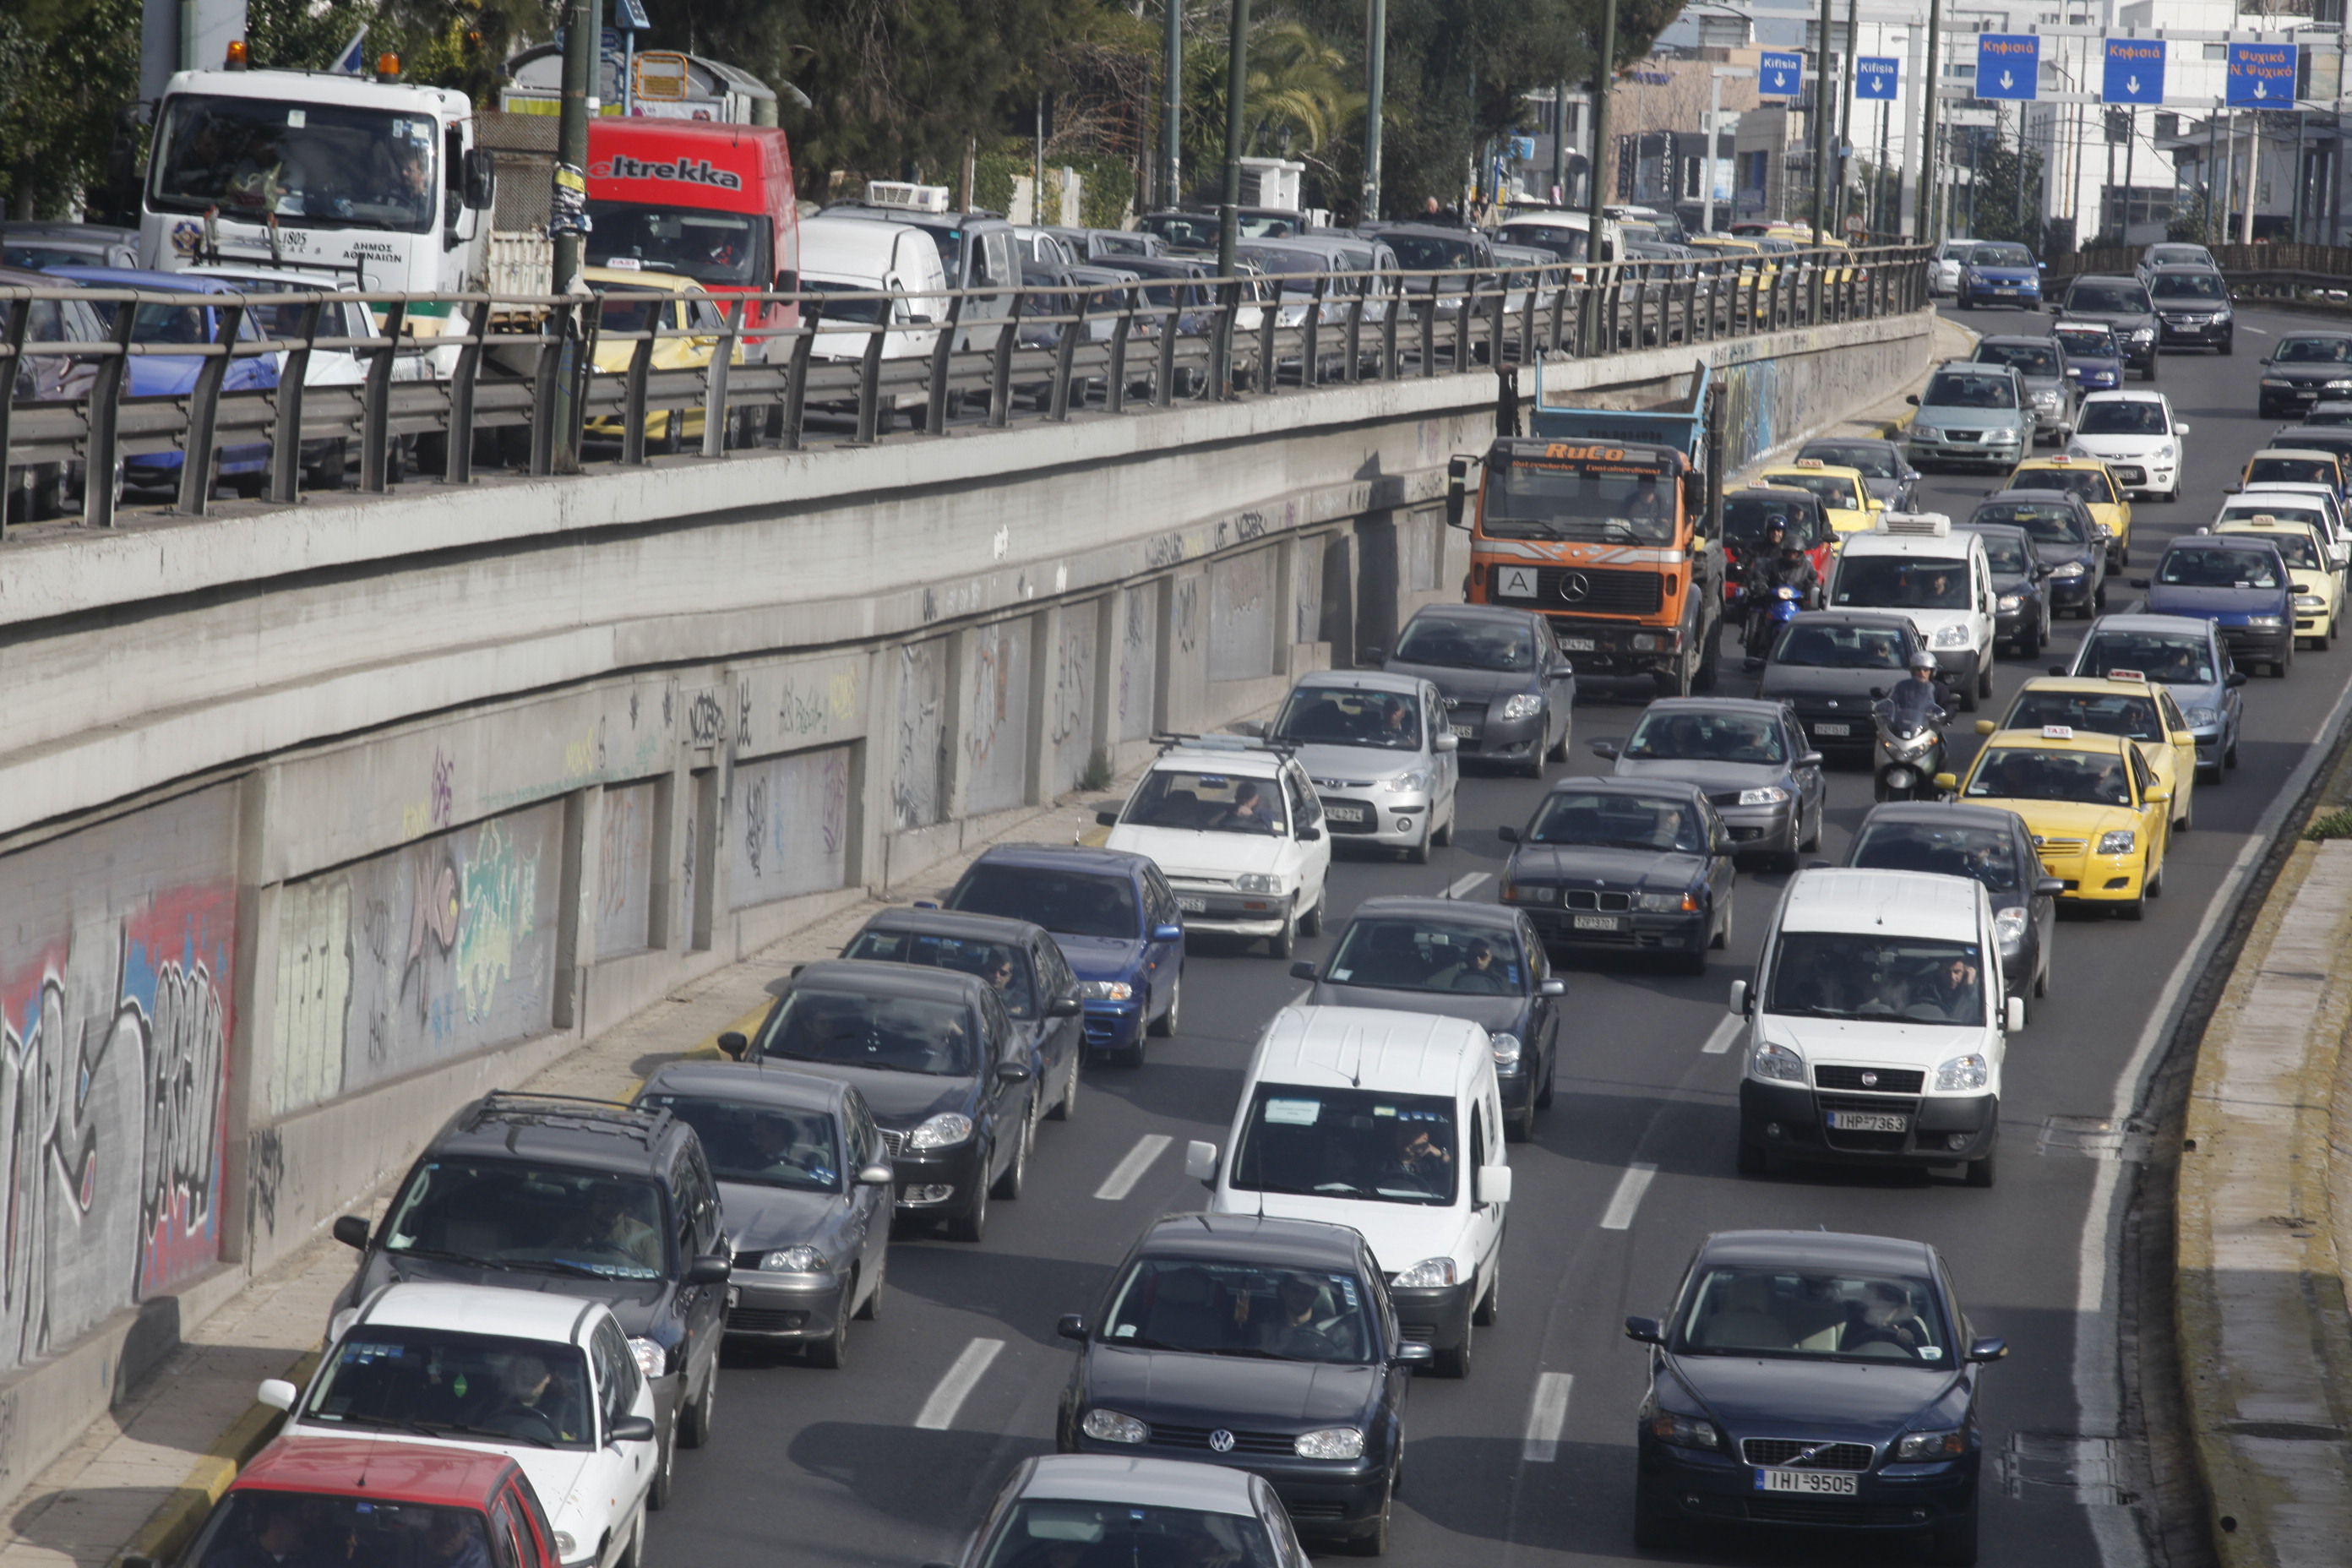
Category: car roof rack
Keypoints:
(1171, 740)
(573, 1111)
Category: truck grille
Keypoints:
(1601, 590)
(1884, 1080)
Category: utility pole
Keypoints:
(1376, 74)
(1596, 192)
(1559, 143)
(1714, 138)
(2254, 175)
(1845, 106)
(1931, 198)
(1172, 105)
(1825, 130)
(1229, 213)
(583, 22)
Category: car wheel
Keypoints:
(1165, 1025)
(1443, 838)
(1533, 768)
(1558, 753)
(694, 1427)
(1981, 1171)
(1016, 1172)
(1490, 1305)
(2133, 909)
(2229, 757)
(2099, 598)
(1656, 1525)
(1286, 941)
(1551, 1070)
(973, 1224)
(870, 1311)
(1519, 1126)
(1067, 1106)
(1374, 1542)
(832, 1352)
(664, 1468)
(1454, 1361)
(1955, 1543)
(1984, 680)
(2284, 666)
(2229, 345)
(1311, 923)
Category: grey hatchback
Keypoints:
(1508, 690)
(1970, 413)
(2049, 390)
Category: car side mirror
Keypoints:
(352, 1230)
(1552, 988)
(1879, 693)
(2157, 796)
(630, 1429)
(1443, 743)
(1947, 781)
(1307, 835)
(1013, 1072)
(1107, 817)
(1508, 834)
(1739, 998)
(1065, 1008)
(1413, 1354)
(1168, 933)
(1645, 1331)
(1494, 1185)
(1912, 398)
(277, 1392)
(2013, 1015)
(877, 1176)
(2057, 670)
(734, 1044)
(2048, 887)
(1071, 1327)
(1372, 653)
(1984, 726)
(481, 179)
(2137, 581)
(1254, 728)
(1724, 845)
(1605, 749)
(1303, 970)
(2181, 429)
(711, 1269)
(1986, 1349)
(2235, 679)
(2264, 360)
(1201, 1161)
(1457, 488)
(1810, 760)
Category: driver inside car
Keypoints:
(532, 1402)
(608, 1226)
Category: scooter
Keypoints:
(1909, 751)
(1765, 619)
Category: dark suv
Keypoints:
(2123, 304)
(579, 1197)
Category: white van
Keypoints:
(1878, 1025)
(845, 255)
(1390, 1123)
(1915, 562)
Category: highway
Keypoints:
(1532, 1458)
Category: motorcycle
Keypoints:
(1909, 750)
(1765, 617)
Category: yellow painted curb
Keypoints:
(176, 1521)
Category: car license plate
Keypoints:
(2131, 476)
(2004, 290)
(1594, 922)
(1193, 906)
(1577, 644)
(1810, 1483)
(1833, 729)
(1344, 812)
(1465, 732)
(1869, 1122)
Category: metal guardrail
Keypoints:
(513, 386)
(2267, 268)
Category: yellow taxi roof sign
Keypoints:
(2059, 457)
(2057, 733)
(2263, 516)
(2139, 675)
(1809, 462)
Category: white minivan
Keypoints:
(1878, 1024)
(1915, 562)
(1391, 1123)
(855, 256)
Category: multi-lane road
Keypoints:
(1532, 1458)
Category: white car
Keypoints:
(1381, 752)
(1917, 563)
(2315, 504)
(2134, 434)
(1234, 824)
(1944, 272)
(549, 1381)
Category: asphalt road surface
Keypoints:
(892, 1459)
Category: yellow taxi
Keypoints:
(1844, 496)
(2099, 817)
(2087, 478)
(2125, 703)
(635, 301)
(2318, 592)
(2294, 466)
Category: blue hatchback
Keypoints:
(1997, 274)
(1115, 919)
(2239, 583)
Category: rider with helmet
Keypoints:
(1914, 697)
(1777, 562)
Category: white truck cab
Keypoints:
(1918, 564)
(1878, 1025)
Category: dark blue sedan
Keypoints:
(2093, 359)
(2240, 584)
(1115, 919)
(1811, 1379)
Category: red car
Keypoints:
(1746, 513)
(365, 1501)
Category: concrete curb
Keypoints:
(175, 1523)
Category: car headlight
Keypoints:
(944, 1131)
(1771, 794)
(794, 1260)
(652, 1359)
(1413, 783)
(2167, 452)
(1917, 1445)
(2142, 335)
(2202, 718)
(1110, 1427)
(1257, 882)
(2338, 386)
(2045, 399)
(2011, 601)
(1954, 635)
(1777, 1062)
(1970, 1071)
(1332, 1443)
(2068, 569)
(2309, 602)
(1924, 432)
(565, 1545)
(2266, 621)
(1105, 991)
(2008, 925)
(1684, 1431)
(1426, 1275)
(1669, 903)
(2121, 841)
(1526, 705)
(2276, 381)
(1529, 893)
(1507, 1048)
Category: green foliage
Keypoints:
(67, 69)
(2330, 824)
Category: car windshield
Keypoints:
(1004, 965)
(1839, 975)
(324, 164)
(2054, 522)
(2031, 772)
(165, 326)
(867, 312)
(1829, 489)
(1956, 250)
(1952, 389)
(508, 1213)
(1903, 583)
(2087, 341)
(1873, 459)
(693, 242)
(2099, 712)
(2000, 256)
(2091, 484)
(1619, 819)
(1815, 1313)
(2261, 471)
(1702, 736)
(1567, 244)
(1073, 903)
(1398, 953)
(761, 1145)
(2005, 553)
(256, 1527)
(2195, 566)
(854, 1029)
(2109, 299)
(1532, 498)
(2314, 351)
(1206, 802)
(2174, 657)
(1348, 1143)
(2178, 255)
(1045, 1533)
(1823, 644)
(1345, 716)
(2297, 550)
(2328, 414)
(1747, 517)
(2132, 416)
(2030, 359)
(1465, 644)
(436, 1382)
(1987, 854)
(1430, 253)
(2189, 286)
(627, 308)
(1270, 1313)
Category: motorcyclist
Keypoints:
(1778, 563)
(1916, 698)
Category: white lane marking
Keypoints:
(1545, 1417)
(1630, 1188)
(1725, 1032)
(1129, 1171)
(1463, 887)
(940, 1410)
(2265, 331)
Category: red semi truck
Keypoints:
(708, 201)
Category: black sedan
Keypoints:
(803, 1193)
(937, 1059)
(1625, 864)
(1509, 691)
(1478, 961)
(2075, 547)
(1827, 664)
(1984, 842)
(2020, 598)
(1265, 1344)
(2123, 304)
(1021, 961)
(1812, 1379)
(1751, 758)
(1884, 468)
(2306, 368)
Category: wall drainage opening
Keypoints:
(2058, 1466)
(2096, 1137)
(2285, 1431)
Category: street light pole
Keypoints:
(1603, 72)
(1845, 105)
(1825, 130)
(1172, 105)
(1376, 73)
(1931, 202)
(1229, 214)
(1713, 140)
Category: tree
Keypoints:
(69, 68)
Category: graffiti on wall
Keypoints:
(996, 714)
(1241, 618)
(918, 771)
(624, 868)
(1138, 663)
(1070, 697)
(792, 835)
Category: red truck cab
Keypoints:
(709, 201)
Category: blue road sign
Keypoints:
(1874, 77)
(1780, 75)
(2008, 65)
(2262, 75)
(2135, 71)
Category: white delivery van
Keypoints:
(1878, 1025)
(1915, 562)
(1391, 1123)
(858, 256)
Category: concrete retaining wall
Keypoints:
(316, 822)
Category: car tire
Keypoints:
(2229, 345)
(1982, 1171)
(2133, 909)
(2229, 757)
(1984, 679)
(2282, 666)
(1311, 923)
(1374, 1542)
(1533, 768)
(973, 1224)
(1284, 942)
(1009, 1185)
(1443, 838)
(832, 1352)
(664, 1468)
(1067, 1108)
(1656, 1526)
(1953, 1544)
(1490, 1305)
(870, 1311)
(694, 1427)
(1551, 1071)
(1519, 1126)
(1165, 1025)
(1454, 1360)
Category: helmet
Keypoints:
(1776, 523)
(1921, 659)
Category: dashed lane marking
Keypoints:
(1546, 1418)
(1129, 1171)
(1725, 1032)
(1630, 1188)
(1463, 887)
(938, 1412)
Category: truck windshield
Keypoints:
(1559, 500)
(708, 247)
(1834, 975)
(328, 165)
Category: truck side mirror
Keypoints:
(1201, 1162)
(1457, 484)
(789, 282)
(481, 179)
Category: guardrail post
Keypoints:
(102, 451)
(1527, 350)
(547, 375)
(1355, 371)
(12, 346)
(1310, 346)
(714, 384)
(1065, 346)
(796, 390)
(935, 397)
(1388, 314)
(1000, 369)
(375, 404)
(286, 434)
(869, 380)
(633, 392)
(457, 462)
(1269, 322)
(1428, 310)
(204, 414)
(1115, 394)
(1163, 382)
(1221, 341)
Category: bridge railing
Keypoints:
(279, 393)
(2269, 271)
